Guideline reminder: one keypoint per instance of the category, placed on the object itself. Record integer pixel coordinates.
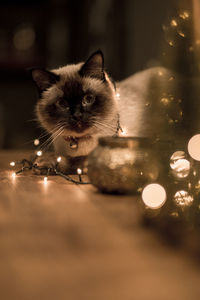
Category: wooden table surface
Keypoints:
(61, 241)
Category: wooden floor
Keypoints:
(61, 241)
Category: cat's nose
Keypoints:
(77, 115)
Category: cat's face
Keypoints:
(76, 100)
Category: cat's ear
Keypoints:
(94, 66)
(43, 78)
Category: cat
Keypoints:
(79, 103)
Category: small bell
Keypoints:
(73, 143)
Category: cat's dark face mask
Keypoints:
(76, 100)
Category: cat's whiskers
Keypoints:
(103, 130)
(50, 132)
(32, 120)
(104, 125)
(55, 137)
(42, 135)
(57, 126)
(104, 122)
(45, 144)
(55, 133)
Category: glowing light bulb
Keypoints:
(181, 33)
(13, 175)
(191, 49)
(39, 153)
(184, 15)
(179, 164)
(45, 179)
(194, 147)
(154, 195)
(12, 163)
(123, 132)
(59, 159)
(183, 198)
(165, 101)
(36, 142)
(79, 171)
(173, 23)
(174, 214)
(197, 186)
(118, 95)
(171, 122)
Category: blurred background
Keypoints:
(52, 33)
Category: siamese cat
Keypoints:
(79, 103)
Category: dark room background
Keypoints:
(52, 33)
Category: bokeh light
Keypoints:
(45, 179)
(184, 14)
(79, 171)
(24, 37)
(36, 142)
(59, 158)
(124, 132)
(39, 153)
(194, 147)
(13, 175)
(183, 198)
(154, 195)
(174, 23)
(179, 164)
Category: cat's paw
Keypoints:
(48, 162)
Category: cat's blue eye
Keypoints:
(88, 100)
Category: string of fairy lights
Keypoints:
(27, 165)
